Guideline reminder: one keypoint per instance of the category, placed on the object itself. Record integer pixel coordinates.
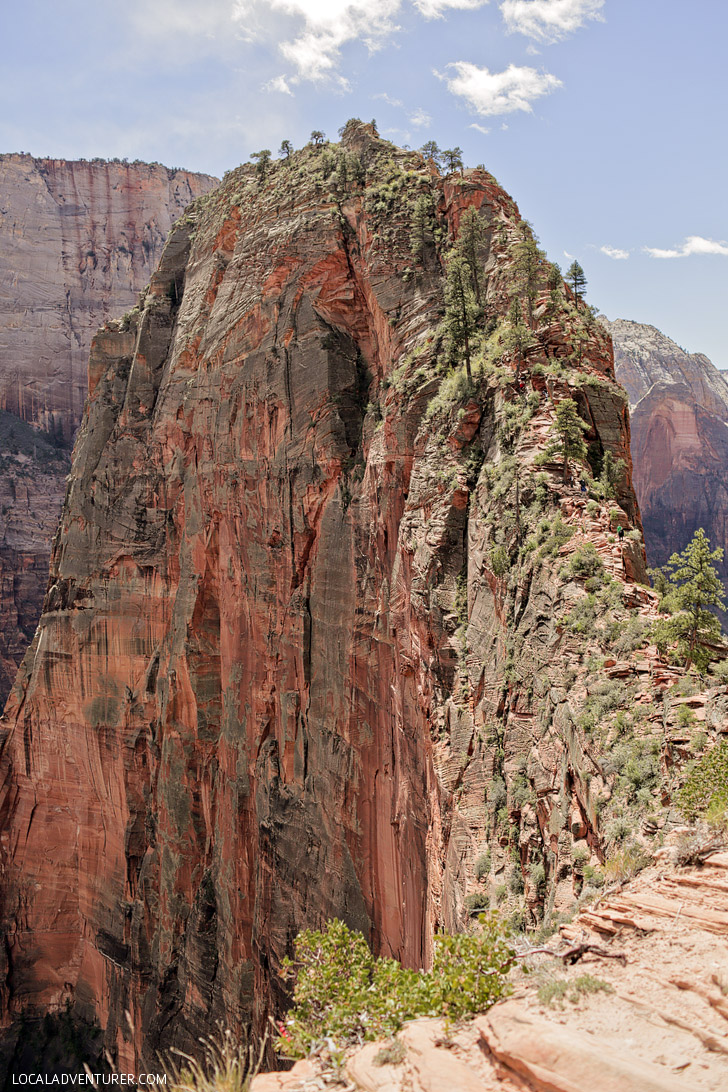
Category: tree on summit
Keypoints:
(317, 137)
(285, 149)
(431, 151)
(453, 158)
(576, 279)
(263, 162)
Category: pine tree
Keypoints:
(453, 159)
(527, 259)
(285, 149)
(694, 588)
(470, 245)
(517, 338)
(461, 310)
(263, 162)
(317, 137)
(568, 429)
(431, 151)
(576, 278)
(422, 234)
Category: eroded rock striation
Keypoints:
(78, 242)
(319, 638)
(679, 412)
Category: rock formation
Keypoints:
(679, 412)
(328, 631)
(78, 241)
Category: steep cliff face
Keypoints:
(78, 241)
(679, 409)
(317, 640)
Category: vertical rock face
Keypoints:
(314, 641)
(78, 241)
(679, 407)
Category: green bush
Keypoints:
(499, 561)
(476, 904)
(343, 993)
(706, 784)
(482, 865)
(585, 562)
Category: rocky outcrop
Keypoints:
(329, 632)
(679, 411)
(78, 241)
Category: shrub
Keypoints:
(585, 562)
(476, 903)
(559, 990)
(579, 856)
(482, 865)
(343, 993)
(706, 785)
(499, 561)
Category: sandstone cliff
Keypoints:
(78, 241)
(679, 411)
(327, 631)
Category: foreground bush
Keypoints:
(344, 994)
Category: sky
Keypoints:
(604, 119)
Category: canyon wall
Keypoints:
(679, 411)
(329, 631)
(78, 241)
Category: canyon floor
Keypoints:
(646, 1012)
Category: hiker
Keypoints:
(620, 533)
(582, 482)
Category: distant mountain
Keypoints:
(679, 410)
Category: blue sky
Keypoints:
(604, 119)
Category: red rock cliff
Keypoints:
(309, 647)
(78, 241)
(679, 407)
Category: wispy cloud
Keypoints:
(480, 128)
(614, 252)
(435, 9)
(420, 119)
(387, 98)
(694, 244)
(549, 20)
(491, 93)
(278, 83)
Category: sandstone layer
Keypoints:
(329, 632)
(78, 242)
(679, 410)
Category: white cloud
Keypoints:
(420, 119)
(388, 98)
(278, 83)
(490, 93)
(694, 244)
(434, 9)
(567, 255)
(614, 252)
(327, 25)
(481, 128)
(549, 20)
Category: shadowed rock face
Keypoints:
(279, 675)
(78, 241)
(679, 409)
